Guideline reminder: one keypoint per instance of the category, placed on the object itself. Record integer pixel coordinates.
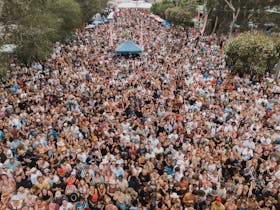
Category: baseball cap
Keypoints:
(218, 200)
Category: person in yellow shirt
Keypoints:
(41, 183)
(217, 204)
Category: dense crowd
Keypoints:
(168, 129)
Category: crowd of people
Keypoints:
(168, 129)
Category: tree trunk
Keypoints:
(277, 71)
(215, 25)
(231, 28)
(235, 14)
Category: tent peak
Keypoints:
(128, 47)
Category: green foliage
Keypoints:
(159, 8)
(179, 15)
(4, 68)
(90, 7)
(36, 28)
(276, 39)
(183, 3)
(34, 38)
(34, 25)
(37, 24)
(250, 10)
(70, 13)
(252, 54)
(190, 6)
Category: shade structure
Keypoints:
(166, 23)
(128, 47)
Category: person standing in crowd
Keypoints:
(168, 129)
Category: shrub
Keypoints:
(159, 8)
(250, 54)
(178, 16)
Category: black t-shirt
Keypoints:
(231, 162)
(46, 197)
(32, 163)
(93, 205)
(60, 185)
(177, 147)
(142, 150)
(29, 154)
(103, 151)
(144, 197)
(134, 183)
(60, 199)
(22, 105)
(24, 183)
(144, 178)
(160, 130)
(160, 169)
(3, 157)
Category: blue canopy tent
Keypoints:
(128, 47)
(166, 23)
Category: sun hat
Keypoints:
(174, 195)
(57, 194)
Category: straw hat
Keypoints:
(174, 195)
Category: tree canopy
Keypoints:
(91, 7)
(34, 25)
(178, 12)
(254, 55)
(230, 14)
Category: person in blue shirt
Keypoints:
(82, 204)
(1, 135)
(12, 163)
(14, 144)
(118, 170)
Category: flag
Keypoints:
(117, 12)
(111, 42)
(198, 15)
(141, 37)
(204, 24)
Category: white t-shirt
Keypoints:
(52, 181)
(69, 206)
(158, 150)
(34, 176)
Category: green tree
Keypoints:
(90, 7)
(224, 15)
(4, 68)
(70, 13)
(189, 5)
(34, 38)
(252, 54)
(178, 16)
(31, 27)
(159, 8)
(34, 25)
(37, 24)
(178, 12)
